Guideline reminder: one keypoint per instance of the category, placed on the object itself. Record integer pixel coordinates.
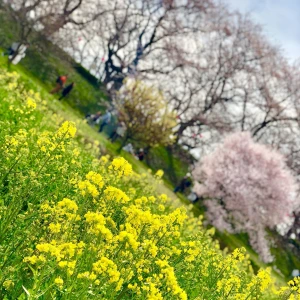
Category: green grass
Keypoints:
(46, 62)
(88, 134)
(42, 67)
(77, 227)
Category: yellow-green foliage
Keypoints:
(76, 227)
(144, 111)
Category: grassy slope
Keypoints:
(90, 134)
(39, 281)
(44, 62)
(84, 131)
(43, 68)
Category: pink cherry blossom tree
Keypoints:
(249, 189)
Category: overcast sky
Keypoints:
(280, 19)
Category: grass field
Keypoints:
(38, 72)
(89, 135)
(77, 222)
(44, 62)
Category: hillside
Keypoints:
(45, 62)
(42, 67)
(76, 224)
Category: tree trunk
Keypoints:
(171, 169)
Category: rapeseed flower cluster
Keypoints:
(121, 167)
(73, 226)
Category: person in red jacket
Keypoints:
(60, 82)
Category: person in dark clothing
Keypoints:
(13, 48)
(16, 52)
(105, 120)
(96, 116)
(184, 183)
(119, 132)
(140, 154)
(66, 91)
(113, 136)
(93, 119)
(10, 51)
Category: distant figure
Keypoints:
(12, 49)
(193, 197)
(184, 183)
(140, 154)
(129, 148)
(94, 119)
(105, 120)
(295, 273)
(119, 132)
(16, 52)
(60, 82)
(66, 91)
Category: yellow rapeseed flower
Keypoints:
(67, 129)
(159, 174)
(30, 103)
(58, 281)
(121, 166)
(115, 194)
(95, 178)
(54, 228)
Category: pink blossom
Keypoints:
(249, 187)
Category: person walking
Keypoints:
(60, 82)
(16, 52)
(105, 120)
(94, 118)
(129, 148)
(184, 183)
(118, 132)
(12, 49)
(140, 154)
(67, 90)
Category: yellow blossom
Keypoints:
(58, 281)
(31, 104)
(121, 166)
